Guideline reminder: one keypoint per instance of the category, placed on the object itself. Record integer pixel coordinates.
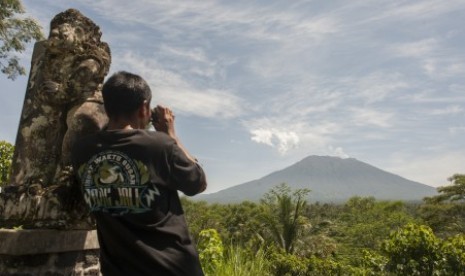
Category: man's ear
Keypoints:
(144, 110)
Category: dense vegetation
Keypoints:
(284, 235)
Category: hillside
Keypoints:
(330, 179)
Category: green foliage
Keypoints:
(330, 266)
(242, 224)
(282, 235)
(283, 216)
(6, 155)
(413, 250)
(232, 261)
(453, 250)
(446, 218)
(373, 263)
(286, 264)
(199, 216)
(445, 213)
(453, 192)
(15, 32)
(210, 249)
(239, 261)
(365, 223)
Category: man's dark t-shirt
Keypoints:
(130, 180)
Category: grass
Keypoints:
(238, 261)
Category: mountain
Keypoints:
(330, 179)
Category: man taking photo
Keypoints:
(130, 178)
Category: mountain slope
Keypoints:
(330, 179)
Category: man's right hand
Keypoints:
(163, 120)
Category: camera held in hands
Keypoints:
(156, 115)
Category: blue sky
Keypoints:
(259, 85)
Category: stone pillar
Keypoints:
(63, 102)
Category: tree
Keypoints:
(6, 154)
(284, 215)
(445, 213)
(365, 222)
(15, 32)
(240, 222)
(200, 216)
(413, 250)
(454, 192)
(454, 255)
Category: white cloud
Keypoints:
(252, 21)
(451, 109)
(419, 10)
(282, 140)
(172, 89)
(285, 133)
(337, 151)
(441, 68)
(366, 116)
(306, 99)
(209, 103)
(417, 49)
(436, 60)
(377, 86)
(196, 54)
(190, 61)
(457, 130)
(286, 140)
(428, 95)
(262, 136)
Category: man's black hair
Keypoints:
(123, 93)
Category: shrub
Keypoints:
(6, 154)
(210, 249)
(413, 250)
(453, 250)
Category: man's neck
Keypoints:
(122, 124)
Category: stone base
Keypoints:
(55, 207)
(49, 252)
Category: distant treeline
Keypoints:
(284, 235)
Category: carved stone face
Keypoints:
(66, 36)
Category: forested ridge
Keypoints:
(284, 235)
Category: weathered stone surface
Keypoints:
(29, 242)
(63, 102)
(63, 98)
(49, 252)
(56, 207)
(48, 264)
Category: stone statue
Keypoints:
(63, 101)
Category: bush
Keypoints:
(6, 156)
(287, 264)
(241, 262)
(453, 250)
(413, 250)
(210, 249)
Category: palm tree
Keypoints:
(283, 217)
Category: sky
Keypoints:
(257, 86)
